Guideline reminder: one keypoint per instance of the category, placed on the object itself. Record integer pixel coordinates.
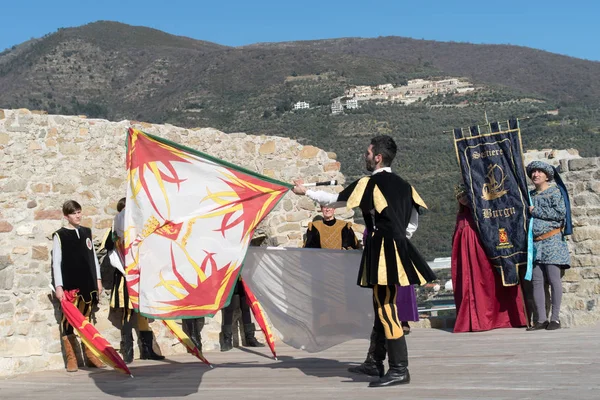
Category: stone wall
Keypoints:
(581, 283)
(47, 159)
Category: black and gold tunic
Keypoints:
(389, 258)
(333, 234)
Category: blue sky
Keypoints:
(564, 27)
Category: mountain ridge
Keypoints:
(116, 71)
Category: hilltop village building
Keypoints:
(301, 105)
(415, 90)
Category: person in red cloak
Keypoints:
(482, 302)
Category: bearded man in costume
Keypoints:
(389, 204)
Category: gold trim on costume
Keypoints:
(402, 277)
(357, 193)
(381, 265)
(417, 199)
(379, 201)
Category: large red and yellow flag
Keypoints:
(90, 336)
(188, 222)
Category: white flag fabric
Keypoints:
(310, 295)
(188, 222)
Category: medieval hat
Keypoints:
(540, 166)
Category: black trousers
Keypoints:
(228, 311)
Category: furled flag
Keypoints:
(90, 336)
(259, 316)
(188, 222)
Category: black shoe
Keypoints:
(147, 351)
(392, 378)
(227, 338)
(538, 326)
(193, 327)
(127, 350)
(371, 369)
(397, 374)
(553, 325)
(251, 340)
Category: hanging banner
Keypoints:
(491, 163)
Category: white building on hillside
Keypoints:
(352, 104)
(337, 108)
(301, 105)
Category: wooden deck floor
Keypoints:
(501, 364)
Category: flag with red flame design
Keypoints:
(259, 316)
(188, 223)
(89, 335)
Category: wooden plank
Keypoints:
(500, 364)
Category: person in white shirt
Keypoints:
(390, 209)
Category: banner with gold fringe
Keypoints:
(491, 162)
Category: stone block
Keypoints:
(104, 223)
(306, 204)
(311, 172)
(297, 216)
(586, 233)
(332, 155)
(52, 214)
(585, 260)
(69, 148)
(6, 311)
(309, 152)
(26, 230)
(5, 226)
(15, 185)
(20, 347)
(332, 166)
(31, 204)
(41, 188)
(7, 277)
(115, 182)
(288, 228)
(34, 146)
(579, 164)
(280, 240)
(267, 147)
(586, 199)
(287, 205)
(39, 253)
(4, 138)
(589, 273)
(249, 147)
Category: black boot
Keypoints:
(147, 350)
(251, 341)
(127, 347)
(227, 338)
(398, 359)
(373, 365)
(192, 328)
